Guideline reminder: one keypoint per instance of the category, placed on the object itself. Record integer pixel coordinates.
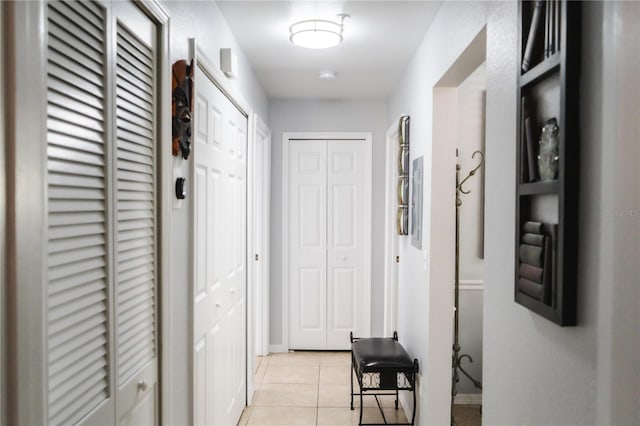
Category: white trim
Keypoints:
(26, 211)
(201, 59)
(471, 284)
(468, 399)
(366, 298)
(390, 234)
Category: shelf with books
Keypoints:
(547, 147)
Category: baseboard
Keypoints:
(468, 399)
(274, 349)
(406, 403)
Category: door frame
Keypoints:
(286, 140)
(261, 132)
(202, 60)
(391, 265)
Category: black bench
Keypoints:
(382, 364)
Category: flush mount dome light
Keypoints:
(317, 33)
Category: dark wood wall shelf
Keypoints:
(538, 188)
(541, 70)
(546, 242)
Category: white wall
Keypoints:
(327, 116)
(455, 26)
(203, 21)
(534, 371)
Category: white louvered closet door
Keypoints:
(135, 216)
(78, 277)
(102, 236)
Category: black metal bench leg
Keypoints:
(352, 366)
(413, 415)
(361, 405)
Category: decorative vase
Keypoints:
(549, 151)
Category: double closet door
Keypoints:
(329, 242)
(102, 214)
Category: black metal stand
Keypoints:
(457, 358)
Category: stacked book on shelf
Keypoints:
(540, 42)
(530, 135)
(538, 261)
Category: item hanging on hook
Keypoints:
(181, 107)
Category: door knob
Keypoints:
(142, 385)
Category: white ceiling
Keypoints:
(379, 40)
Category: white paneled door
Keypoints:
(219, 282)
(329, 242)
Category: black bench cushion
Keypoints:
(379, 354)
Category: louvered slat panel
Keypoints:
(77, 18)
(63, 71)
(129, 194)
(74, 218)
(62, 363)
(140, 109)
(128, 77)
(136, 224)
(59, 246)
(77, 311)
(60, 379)
(134, 234)
(136, 227)
(134, 101)
(81, 145)
(136, 48)
(134, 139)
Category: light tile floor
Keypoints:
(467, 415)
(310, 388)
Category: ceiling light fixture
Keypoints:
(317, 33)
(327, 75)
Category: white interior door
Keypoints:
(347, 247)
(308, 244)
(329, 242)
(219, 284)
(135, 219)
(261, 218)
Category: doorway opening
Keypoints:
(458, 132)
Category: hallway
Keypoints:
(310, 388)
